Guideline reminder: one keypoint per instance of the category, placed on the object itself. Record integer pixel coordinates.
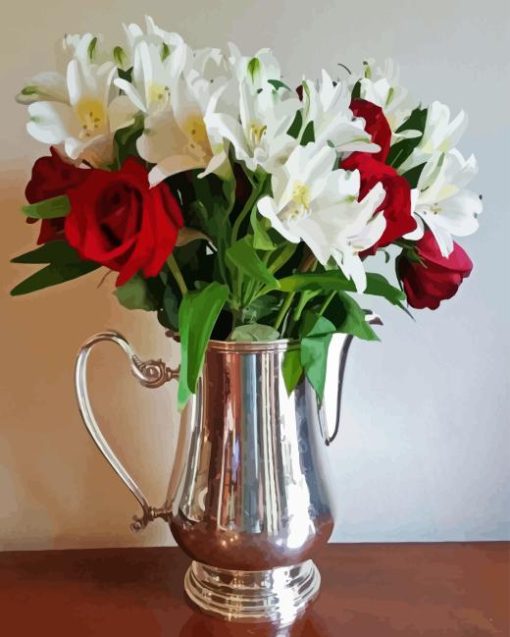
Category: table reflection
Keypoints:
(200, 625)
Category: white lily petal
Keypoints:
(267, 208)
(131, 93)
(49, 86)
(121, 113)
(172, 166)
(51, 122)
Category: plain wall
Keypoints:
(424, 447)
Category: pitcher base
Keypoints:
(276, 595)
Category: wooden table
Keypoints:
(369, 590)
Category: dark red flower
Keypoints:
(435, 278)
(397, 202)
(117, 220)
(376, 125)
(51, 177)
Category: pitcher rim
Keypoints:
(281, 344)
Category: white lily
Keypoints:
(51, 85)
(259, 69)
(259, 136)
(440, 136)
(152, 34)
(177, 139)
(313, 203)
(85, 119)
(381, 86)
(327, 106)
(154, 73)
(441, 202)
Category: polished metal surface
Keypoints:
(251, 596)
(247, 498)
(152, 373)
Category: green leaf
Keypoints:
(297, 124)
(261, 238)
(49, 208)
(135, 294)
(261, 307)
(198, 314)
(242, 255)
(317, 334)
(292, 369)
(349, 318)
(278, 84)
(53, 274)
(377, 285)
(400, 151)
(126, 139)
(254, 332)
(171, 308)
(50, 252)
(356, 91)
(308, 134)
(413, 175)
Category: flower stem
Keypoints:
(328, 300)
(177, 274)
(252, 199)
(283, 310)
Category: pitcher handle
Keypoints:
(151, 374)
(373, 319)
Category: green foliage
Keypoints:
(278, 84)
(261, 232)
(317, 332)
(125, 140)
(53, 274)
(349, 318)
(413, 175)
(254, 332)
(296, 126)
(136, 294)
(50, 252)
(333, 280)
(402, 150)
(292, 369)
(52, 208)
(262, 307)
(64, 264)
(198, 314)
(243, 256)
(308, 134)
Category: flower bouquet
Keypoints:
(237, 206)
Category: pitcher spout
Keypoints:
(337, 360)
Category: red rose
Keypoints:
(397, 202)
(51, 177)
(118, 221)
(436, 278)
(376, 125)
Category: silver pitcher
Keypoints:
(247, 497)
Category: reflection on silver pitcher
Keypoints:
(247, 498)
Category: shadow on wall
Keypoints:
(56, 491)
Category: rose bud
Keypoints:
(434, 277)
